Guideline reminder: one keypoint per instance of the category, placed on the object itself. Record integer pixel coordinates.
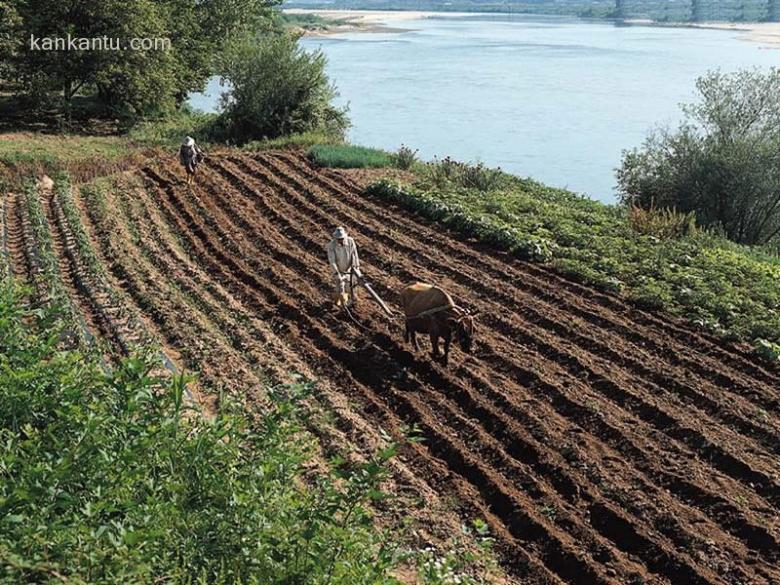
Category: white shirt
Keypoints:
(342, 258)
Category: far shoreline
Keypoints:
(387, 21)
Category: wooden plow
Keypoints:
(361, 280)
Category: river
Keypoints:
(555, 99)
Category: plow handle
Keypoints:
(372, 292)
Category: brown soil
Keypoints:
(601, 443)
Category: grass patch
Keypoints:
(19, 148)
(348, 156)
(302, 140)
(727, 289)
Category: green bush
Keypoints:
(768, 350)
(277, 88)
(104, 478)
(348, 156)
(405, 158)
(721, 163)
(470, 176)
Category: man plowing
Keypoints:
(345, 267)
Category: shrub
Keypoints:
(348, 156)
(662, 223)
(169, 130)
(405, 157)
(278, 88)
(471, 176)
(721, 163)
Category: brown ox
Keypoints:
(431, 310)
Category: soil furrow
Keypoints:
(223, 236)
(313, 330)
(276, 219)
(678, 334)
(693, 438)
(669, 348)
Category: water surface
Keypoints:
(556, 99)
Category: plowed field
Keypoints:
(601, 443)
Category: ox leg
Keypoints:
(447, 342)
(435, 345)
(410, 337)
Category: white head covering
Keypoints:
(339, 233)
(188, 141)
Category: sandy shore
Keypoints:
(764, 33)
(369, 20)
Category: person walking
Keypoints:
(345, 267)
(190, 156)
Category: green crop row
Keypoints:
(726, 289)
(49, 280)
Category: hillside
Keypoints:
(600, 442)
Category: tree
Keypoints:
(723, 162)
(278, 88)
(132, 81)
(9, 30)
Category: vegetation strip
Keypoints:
(498, 220)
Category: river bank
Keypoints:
(369, 21)
(386, 21)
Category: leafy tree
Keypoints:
(129, 81)
(9, 24)
(722, 162)
(278, 88)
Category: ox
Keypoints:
(429, 309)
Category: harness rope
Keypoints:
(429, 312)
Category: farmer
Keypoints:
(190, 156)
(345, 267)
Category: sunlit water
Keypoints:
(554, 99)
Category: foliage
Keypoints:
(723, 287)
(9, 26)
(471, 176)
(309, 21)
(721, 163)
(405, 158)
(168, 130)
(132, 82)
(767, 350)
(107, 478)
(662, 223)
(278, 88)
(450, 568)
(349, 156)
